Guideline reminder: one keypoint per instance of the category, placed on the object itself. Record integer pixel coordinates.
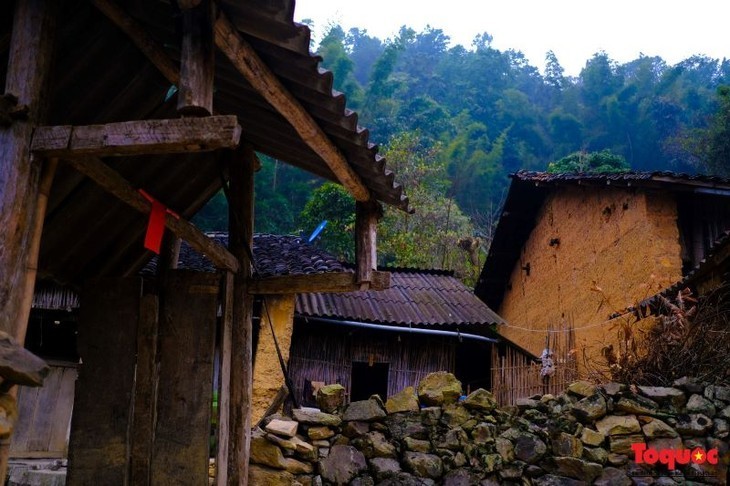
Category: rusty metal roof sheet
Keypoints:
(526, 195)
(99, 76)
(415, 298)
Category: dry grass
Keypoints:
(689, 338)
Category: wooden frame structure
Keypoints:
(28, 146)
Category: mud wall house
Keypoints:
(118, 121)
(571, 249)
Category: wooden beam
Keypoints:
(224, 388)
(245, 59)
(151, 49)
(143, 137)
(27, 72)
(114, 183)
(195, 93)
(366, 221)
(240, 220)
(334, 282)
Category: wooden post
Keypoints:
(224, 389)
(195, 93)
(44, 189)
(28, 66)
(241, 173)
(366, 221)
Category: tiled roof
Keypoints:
(273, 255)
(622, 178)
(416, 297)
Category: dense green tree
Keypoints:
(590, 162)
(332, 203)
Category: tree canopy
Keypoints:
(455, 122)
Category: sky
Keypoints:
(573, 29)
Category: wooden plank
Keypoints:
(145, 392)
(241, 166)
(197, 67)
(334, 282)
(107, 336)
(245, 59)
(46, 413)
(117, 185)
(151, 49)
(63, 408)
(29, 55)
(187, 325)
(366, 222)
(224, 388)
(143, 137)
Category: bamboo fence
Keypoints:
(515, 375)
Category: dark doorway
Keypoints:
(473, 360)
(368, 379)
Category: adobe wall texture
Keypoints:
(267, 375)
(623, 241)
(608, 435)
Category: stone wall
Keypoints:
(587, 435)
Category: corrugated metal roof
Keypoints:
(99, 76)
(415, 298)
(526, 196)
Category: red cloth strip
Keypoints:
(155, 227)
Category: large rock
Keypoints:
(266, 453)
(577, 468)
(374, 444)
(269, 477)
(529, 448)
(313, 416)
(424, 465)
(611, 476)
(582, 388)
(364, 411)
(621, 444)
(694, 424)
(665, 395)
(403, 401)
(342, 464)
(553, 480)
(330, 398)
(480, 400)
(700, 404)
(657, 429)
(618, 425)
(384, 468)
(590, 408)
(297, 467)
(461, 477)
(284, 428)
(439, 388)
(636, 405)
(567, 445)
(454, 415)
(591, 437)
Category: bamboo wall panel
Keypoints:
(327, 355)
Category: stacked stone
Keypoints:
(436, 436)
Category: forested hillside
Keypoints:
(454, 122)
